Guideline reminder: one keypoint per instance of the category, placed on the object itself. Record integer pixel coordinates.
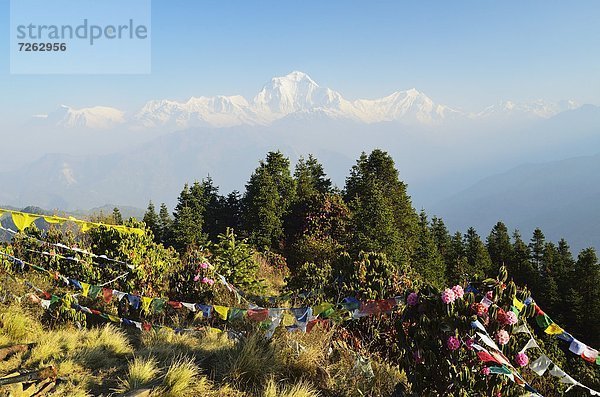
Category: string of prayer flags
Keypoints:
(575, 346)
(23, 220)
(542, 364)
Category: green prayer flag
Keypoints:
(94, 291)
(543, 321)
(235, 314)
(158, 305)
(503, 370)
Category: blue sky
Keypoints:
(467, 54)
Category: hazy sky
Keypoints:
(467, 54)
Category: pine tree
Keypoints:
(426, 259)
(152, 221)
(520, 267)
(456, 264)
(310, 178)
(499, 246)
(383, 218)
(231, 207)
(478, 259)
(213, 210)
(536, 246)
(442, 238)
(117, 217)
(189, 218)
(587, 287)
(166, 223)
(267, 200)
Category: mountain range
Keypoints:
(293, 95)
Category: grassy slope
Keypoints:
(106, 360)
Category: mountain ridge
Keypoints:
(293, 94)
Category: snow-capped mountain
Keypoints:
(294, 96)
(404, 105)
(537, 109)
(97, 117)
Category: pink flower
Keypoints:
(469, 343)
(196, 277)
(453, 343)
(211, 282)
(502, 337)
(205, 280)
(412, 299)
(521, 359)
(510, 318)
(485, 370)
(458, 291)
(204, 265)
(448, 296)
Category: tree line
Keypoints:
(300, 215)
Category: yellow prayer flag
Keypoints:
(146, 301)
(22, 221)
(222, 311)
(85, 287)
(554, 329)
(323, 307)
(85, 226)
(114, 319)
(54, 220)
(518, 304)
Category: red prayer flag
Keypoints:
(107, 294)
(258, 315)
(486, 357)
(175, 305)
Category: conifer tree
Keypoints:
(442, 238)
(538, 241)
(213, 210)
(587, 288)
(152, 221)
(456, 264)
(316, 225)
(383, 217)
(478, 259)
(310, 178)
(267, 200)
(166, 223)
(520, 267)
(117, 217)
(231, 207)
(426, 260)
(549, 289)
(499, 246)
(188, 218)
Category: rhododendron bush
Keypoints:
(437, 333)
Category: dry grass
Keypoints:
(300, 389)
(140, 372)
(250, 362)
(181, 376)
